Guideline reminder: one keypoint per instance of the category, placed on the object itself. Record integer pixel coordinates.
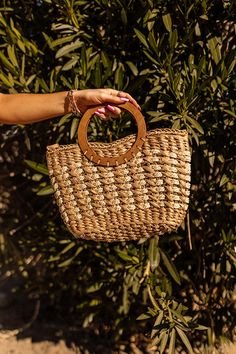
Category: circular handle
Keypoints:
(114, 160)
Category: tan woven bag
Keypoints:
(133, 188)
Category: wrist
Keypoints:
(71, 105)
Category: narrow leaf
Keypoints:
(68, 247)
(123, 16)
(66, 263)
(170, 266)
(164, 341)
(74, 127)
(154, 254)
(39, 167)
(45, 191)
(7, 63)
(172, 342)
(141, 37)
(167, 22)
(185, 340)
(215, 49)
(224, 179)
(157, 323)
(68, 48)
(124, 256)
(142, 317)
(195, 124)
(159, 318)
(202, 328)
(12, 55)
(132, 67)
(153, 301)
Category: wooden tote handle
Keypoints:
(114, 160)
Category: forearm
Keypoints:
(24, 108)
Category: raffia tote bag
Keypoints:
(133, 188)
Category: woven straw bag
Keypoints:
(133, 188)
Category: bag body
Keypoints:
(145, 195)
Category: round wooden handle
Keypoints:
(114, 160)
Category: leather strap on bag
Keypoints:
(114, 160)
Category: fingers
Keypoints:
(108, 98)
(130, 98)
(118, 97)
(108, 112)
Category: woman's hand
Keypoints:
(93, 97)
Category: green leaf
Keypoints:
(5, 80)
(132, 67)
(45, 191)
(84, 61)
(153, 301)
(30, 79)
(195, 124)
(231, 113)
(201, 328)
(157, 323)
(12, 55)
(37, 167)
(70, 64)
(159, 318)
(153, 43)
(215, 48)
(125, 300)
(68, 247)
(172, 342)
(154, 253)
(7, 63)
(179, 316)
(155, 341)
(74, 127)
(185, 340)
(141, 37)
(150, 57)
(21, 45)
(173, 38)
(124, 16)
(68, 48)
(142, 317)
(224, 179)
(164, 341)
(167, 22)
(170, 266)
(119, 76)
(105, 60)
(62, 40)
(124, 256)
(66, 262)
(37, 177)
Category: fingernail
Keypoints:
(124, 99)
(98, 113)
(101, 110)
(112, 109)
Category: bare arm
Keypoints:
(24, 108)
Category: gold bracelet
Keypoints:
(72, 103)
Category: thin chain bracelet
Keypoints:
(72, 103)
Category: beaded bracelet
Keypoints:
(72, 103)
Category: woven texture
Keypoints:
(146, 196)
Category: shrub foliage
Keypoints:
(178, 60)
